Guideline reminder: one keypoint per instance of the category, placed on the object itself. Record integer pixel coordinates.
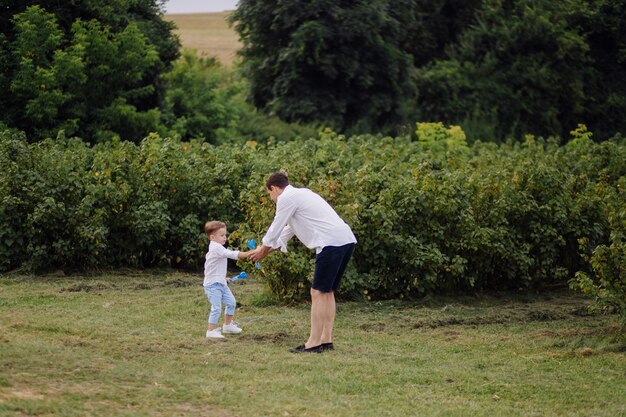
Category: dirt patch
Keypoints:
(138, 282)
(606, 330)
(526, 315)
(20, 394)
(77, 341)
(142, 286)
(545, 315)
(191, 409)
(179, 283)
(371, 326)
(170, 283)
(185, 346)
(582, 311)
(87, 287)
(434, 323)
(267, 337)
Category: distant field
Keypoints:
(208, 33)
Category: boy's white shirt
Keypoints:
(216, 263)
(305, 214)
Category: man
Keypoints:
(303, 213)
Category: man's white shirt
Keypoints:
(305, 214)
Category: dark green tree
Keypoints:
(45, 75)
(603, 23)
(92, 69)
(114, 14)
(532, 66)
(192, 107)
(438, 25)
(336, 62)
(520, 69)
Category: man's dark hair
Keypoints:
(277, 179)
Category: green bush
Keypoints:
(604, 277)
(432, 215)
(68, 205)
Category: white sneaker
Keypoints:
(231, 328)
(214, 334)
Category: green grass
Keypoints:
(133, 345)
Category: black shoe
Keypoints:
(297, 349)
(327, 346)
(302, 349)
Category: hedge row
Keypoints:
(430, 215)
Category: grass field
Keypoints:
(207, 33)
(133, 345)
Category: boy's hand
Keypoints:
(244, 255)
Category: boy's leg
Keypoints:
(231, 303)
(214, 294)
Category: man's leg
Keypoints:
(329, 322)
(322, 316)
(330, 265)
(327, 332)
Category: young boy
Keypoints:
(215, 281)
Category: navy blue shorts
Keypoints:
(330, 264)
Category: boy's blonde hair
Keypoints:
(213, 226)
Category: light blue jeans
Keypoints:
(218, 293)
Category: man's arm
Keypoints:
(284, 210)
(286, 234)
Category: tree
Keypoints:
(44, 75)
(438, 25)
(499, 68)
(521, 67)
(603, 24)
(532, 66)
(192, 107)
(92, 69)
(114, 14)
(335, 62)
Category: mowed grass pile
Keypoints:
(133, 345)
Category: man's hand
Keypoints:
(259, 253)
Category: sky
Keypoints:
(199, 6)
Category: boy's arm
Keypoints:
(227, 253)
